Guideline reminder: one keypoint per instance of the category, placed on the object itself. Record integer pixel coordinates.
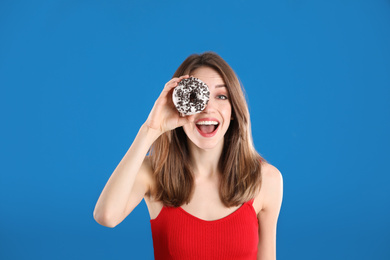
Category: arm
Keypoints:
(268, 216)
(117, 200)
(131, 179)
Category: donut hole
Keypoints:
(193, 97)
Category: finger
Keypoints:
(186, 120)
(191, 118)
(177, 79)
(170, 85)
(184, 77)
(173, 83)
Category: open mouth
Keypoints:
(207, 128)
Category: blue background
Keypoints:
(78, 78)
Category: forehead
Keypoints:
(209, 76)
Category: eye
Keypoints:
(222, 97)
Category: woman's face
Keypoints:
(209, 127)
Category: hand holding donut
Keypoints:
(164, 116)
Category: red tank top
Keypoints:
(179, 235)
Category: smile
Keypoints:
(207, 127)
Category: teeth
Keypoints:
(207, 123)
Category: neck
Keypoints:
(204, 162)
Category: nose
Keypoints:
(210, 107)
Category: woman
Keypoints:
(210, 195)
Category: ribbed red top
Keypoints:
(179, 235)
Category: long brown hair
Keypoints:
(239, 163)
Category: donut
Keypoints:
(191, 96)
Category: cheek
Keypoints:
(227, 111)
(186, 129)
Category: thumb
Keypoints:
(191, 118)
(186, 120)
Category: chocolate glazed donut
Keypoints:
(191, 96)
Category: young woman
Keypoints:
(210, 195)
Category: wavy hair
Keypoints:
(239, 164)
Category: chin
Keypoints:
(205, 144)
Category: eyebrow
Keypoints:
(220, 86)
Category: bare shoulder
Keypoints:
(271, 173)
(272, 186)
